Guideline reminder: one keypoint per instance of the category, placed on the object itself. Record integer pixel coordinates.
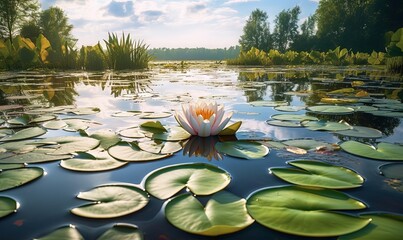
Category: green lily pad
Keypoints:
(383, 226)
(20, 120)
(307, 144)
(289, 108)
(154, 115)
(55, 124)
(326, 125)
(231, 129)
(76, 124)
(109, 201)
(92, 161)
(122, 231)
(242, 149)
(66, 232)
(318, 174)
(293, 117)
(280, 123)
(131, 152)
(391, 170)
(5, 132)
(305, 211)
(7, 206)
(386, 113)
(174, 134)
(364, 108)
(85, 110)
(134, 132)
(42, 118)
(361, 132)
(383, 151)
(16, 177)
(33, 157)
(160, 147)
(106, 138)
(224, 213)
(69, 144)
(125, 114)
(268, 103)
(24, 134)
(5, 166)
(330, 109)
(199, 178)
(154, 127)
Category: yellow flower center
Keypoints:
(205, 113)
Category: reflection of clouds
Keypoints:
(202, 147)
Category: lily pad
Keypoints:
(318, 174)
(20, 120)
(174, 134)
(109, 201)
(280, 123)
(69, 144)
(391, 170)
(294, 117)
(326, 125)
(16, 177)
(133, 132)
(386, 113)
(122, 231)
(154, 127)
(199, 178)
(66, 232)
(85, 110)
(361, 132)
(160, 147)
(154, 115)
(242, 149)
(289, 108)
(92, 161)
(305, 211)
(7, 206)
(383, 151)
(33, 157)
(383, 226)
(55, 124)
(131, 152)
(24, 134)
(330, 109)
(224, 213)
(307, 144)
(42, 118)
(268, 103)
(231, 129)
(5, 166)
(106, 138)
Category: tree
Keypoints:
(14, 13)
(256, 32)
(56, 28)
(306, 40)
(30, 30)
(286, 28)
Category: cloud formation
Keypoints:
(120, 9)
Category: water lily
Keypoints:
(203, 118)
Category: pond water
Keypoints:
(45, 203)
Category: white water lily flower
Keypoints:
(203, 118)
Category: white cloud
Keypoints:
(240, 1)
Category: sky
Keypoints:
(170, 23)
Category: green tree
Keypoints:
(286, 28)
(30, 30)
(256, 32)
(56, 28)
(306, 40)
(14, 13)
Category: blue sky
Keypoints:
(170, 23)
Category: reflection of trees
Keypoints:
(129, 84)
(253, 92)
(384, 124)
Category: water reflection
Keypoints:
(202, 147)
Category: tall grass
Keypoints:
(125, 53)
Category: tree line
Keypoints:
(195, 53)
(353, 24)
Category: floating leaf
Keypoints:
(242, 149)
(294, 117)
(174, 134)
(338, 100)
(42, 118)
(122, 231)
(69, 144)
(134, 132)
(132, 153)
(92, 161)
(5, 166)
(21, 120)
(160, 147)
(106, 138)
(383, 226)
(307, 144)
(76, 124)
(55, 124)
(33, 157)
(24, 134)
(268, 103)
(110, 201)
(330, 109)
(361, 132)
(85, 110)
(153, 115)
(296, 150)
(304, 211)
(199, 178)
(281, 123)
(224, 213)
(16, 177)
(67, 232)
(318, 174)
(7, 206)
(326, 125)
(387, 114)
(364, 108)
(392, 170)
(154, 127)
(383, 151)
(230, 130)
(289, 108)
